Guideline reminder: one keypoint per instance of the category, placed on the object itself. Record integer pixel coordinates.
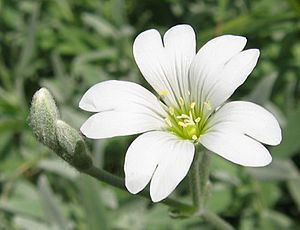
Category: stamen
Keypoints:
(191, 115)
(163, 92)
(193, 104)
(171, 110)
(197, 119)
(181, 101)
(169, 123)
(182, 124)
(207, 104)
(183, 116)
(189, 123)
(185, 119)
(189, 93)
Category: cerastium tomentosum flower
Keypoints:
(190, 109)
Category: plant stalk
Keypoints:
(216, 221)
(199, 178)
(199, 182)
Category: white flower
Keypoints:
(192, 90)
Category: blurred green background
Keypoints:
(67, 46)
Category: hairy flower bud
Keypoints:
(43, 116)
(64, 140)
(73, 149)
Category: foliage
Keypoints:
(67, 46)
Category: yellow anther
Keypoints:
(171, 110)
(182, 124)
(189, 93)
(163, 92)
(183, 116)
(193, 104)
(197, 119)
(188, 123)
(194, 137)
(207, 104)
(169, 123)
(181, 101)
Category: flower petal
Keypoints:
(161, 155)
(234, 73)
(236, 148)
(174, 164)
(120, 123)
(151, 59)
(247, 118)
(209, 62)
(180, 47)
(166, 68)
(142, 158)
(120, 95)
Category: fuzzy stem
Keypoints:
(195, 181)
(216, 221)
(199, 176)
(199, 182)
(204, 167)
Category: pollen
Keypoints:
(171, 110)
(181, 101)
(185, 120)
(163, 92)
(208, 105)
(193, 104)
(183, 116)
(183, 124)
(169, 123)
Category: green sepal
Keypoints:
(42, 118)
(72, 146)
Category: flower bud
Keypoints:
(73, 149)
(43, 116)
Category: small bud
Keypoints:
(73, 149)
(43, 116)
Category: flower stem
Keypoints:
(199, 176)
(195, 181)
(118, 182)
(216, 221)
(199, 180)
(204, 178)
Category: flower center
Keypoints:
(185, 121)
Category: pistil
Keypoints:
(184, 121)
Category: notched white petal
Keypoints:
(221, 49)
(165, 64)
(237, 148)
(177, 157)
(180, 49)
(149, 55)
(247, 118)
(234, 73)
(159, 155)
(111, 95)
(206, 68)
(141, 160)
(117, 123)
